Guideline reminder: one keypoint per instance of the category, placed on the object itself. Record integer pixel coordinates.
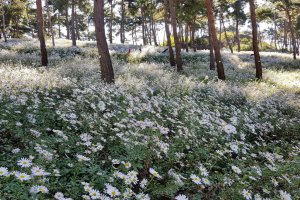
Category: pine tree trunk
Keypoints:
(255, 40)
(77, 27)
(187, 37)
(111, 22)
(122, 25)
(73, 24)
(59, 28)
(50, 23)
(212, 29)
(172, 5)
(3, 23)
(291, 26)
(237, 33)
(211, 53)
(67, 23)
(143, 25)
(285, 35)
(40, 22)
(168, 33)
(107, 72)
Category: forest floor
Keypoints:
(155, 134)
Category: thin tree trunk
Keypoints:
(275, 30)
(291, 26)
(212, 29)
(73, 24)
(211, 52)
(143, 25)
(59, 28)
(220, 27)
(153, 31)
(77, 26)
(225, 32)
(168, 33)
(107, 72)
(3, 23)
(254, 40)
(237, 34)
(193, 27)
(67, 23)
(122, 25)
(111, 22)
(187, 37)
(172, 5)
(50, 23)
(285, 35)
(40, 22)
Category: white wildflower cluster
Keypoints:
(155, 134)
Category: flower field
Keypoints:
(155, 134)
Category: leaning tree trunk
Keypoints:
(172, 5)
(3, 23)
(291, 26)
(254, 40)
(40, 22)
(73, 24)
(107, 72)
(212, 29)
(50, 23)
(168, 33)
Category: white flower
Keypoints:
(285, 196)
(229, 129)
(86, 197)
(43, 189)
(24, 162)
(154, 173)
(195, 179)
(34, 189)
(101, 106)
(236, 169)
(181, 197)
(37, 171)
(143, 183)
(127, 165)
(112, 191)
(16, 150)
(95, 194)
(247, 194)
(22, 176)
(59, 196)
(205, 181)
(4, 171)
(82, 158)
(203, 171)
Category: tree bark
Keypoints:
(172, 5)
(111, 22)
(187, 37)
(237, 34)
(50, 23)
(67, 23)
(212, 29)
(255, 40)
(107, 72)
(77, 26)
(168, 33)
(143, 25)
(40, 22)
(73, 24)
(211, 52)
(122, 25)
(291, 26)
